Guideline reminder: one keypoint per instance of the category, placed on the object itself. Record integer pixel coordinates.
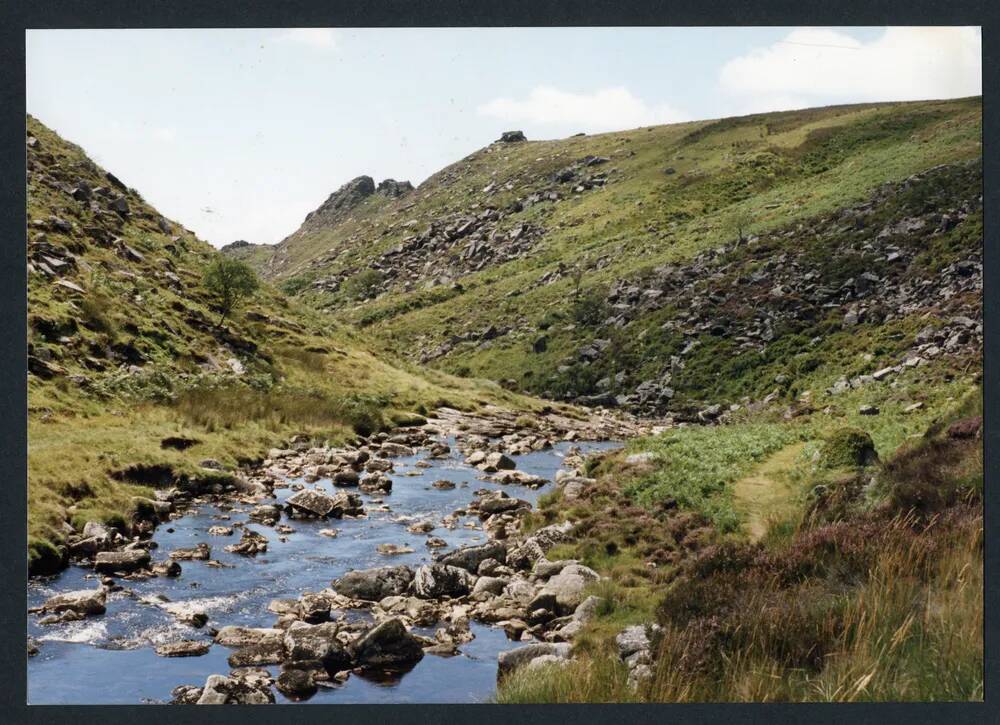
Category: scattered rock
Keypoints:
(387, 646)
(184, 648)
(373, 585)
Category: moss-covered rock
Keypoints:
(44, 558)
(848, 448)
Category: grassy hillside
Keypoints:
(522, 241)
(133, 382)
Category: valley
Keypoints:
(682, 413)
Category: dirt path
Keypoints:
(766, 493)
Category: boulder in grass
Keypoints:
(511, 660)
(564, 592)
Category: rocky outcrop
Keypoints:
(512, 137)
(343, 200)
(393, 189)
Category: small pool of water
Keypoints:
(111, 660)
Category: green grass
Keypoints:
(695, 466)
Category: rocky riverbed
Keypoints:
(394, 570)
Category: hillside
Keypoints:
(669, 268)
(791, 303)
(132, 381)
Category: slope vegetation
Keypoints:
(133, 382)
(668, 268)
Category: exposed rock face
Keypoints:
(374, 584)
(512, 137)
(753, 291)
(393, 188)
(343, 199)
(387, 646)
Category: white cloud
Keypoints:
(607, 109)
(319, 38)
(904, 63)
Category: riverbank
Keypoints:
(871, 590)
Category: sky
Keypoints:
(238, 134)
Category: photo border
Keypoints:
(19, 15)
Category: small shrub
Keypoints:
(231, 282)
(590, 309)
(95, 309)
(363, 285)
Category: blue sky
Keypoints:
(237, 134)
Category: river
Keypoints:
(110, 659)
